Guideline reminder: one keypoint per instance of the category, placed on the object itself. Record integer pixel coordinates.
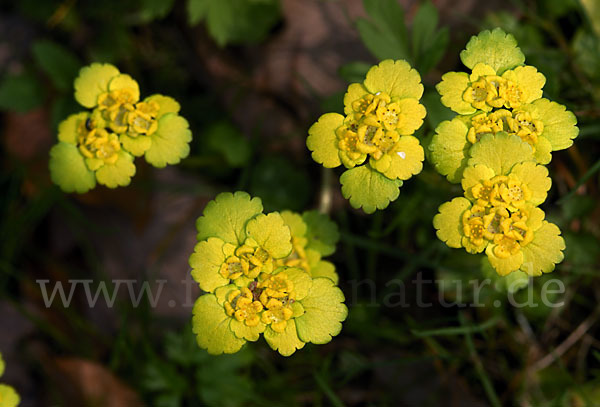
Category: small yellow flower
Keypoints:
(99, 146)
(381, 114)
(246, 295)
(498, 214)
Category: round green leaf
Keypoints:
(170, 142)
(210, 323)
(286, 342)
(226, 216)
(206, 263)
(368, 189)
(322, 233)
(271, 233)
(324, 312)
(119, 173)
(68, 169)
(494, 48)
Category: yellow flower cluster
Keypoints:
(503, 130)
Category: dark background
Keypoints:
(251, 77)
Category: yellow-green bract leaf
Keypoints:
(2, 366)
(543, 150)
(412, 116)
(450, 149)
(136, 145)
(124, 81)
(545, 250)
(403, 161)
(368, 189)
(286, 342)
(8, 396)
(226, 216)
(271, 233)
(222, 292)
(494, 48)
(511, 283)
(475, 175)
(560, 125)
(166, 104)
(295, 222)
(170, 142)
(396, 78)
(530, 81)
(301, 280)
(536, 178)
(206, 263)
(451, 89)
(117, 174)
(324, 312)
(355, 91)
(68, 129)
(323, 233)
(504, 265)
(68, 169)
(92, 81)
(322, 140)
(210, 323)
(500, 152)
(448, 222)
(243, 331)
(326, 269)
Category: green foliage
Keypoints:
(418, 355)
(292, 190)
(60, 64)
(189, 374)
(223, 138)
(154, 9)
(20, 93)
(385, 34)
(235, 21)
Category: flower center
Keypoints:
(242, 306)
(142, 119)
(372, 130)
(498, 216)
(247, 260)
(100, 144)
(492, 91)
(277, 296)
(519, 123)
(113, 100)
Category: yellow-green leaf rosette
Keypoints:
(156, 131)
(8, 396)
(373, 139)
(498, 214)
(240, 262)
(307, 249)
(499, 95)
(87, 153)
(99, 146)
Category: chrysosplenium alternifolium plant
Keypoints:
(263, 274)
(495, 147)
(8, 395)
(500, 94)
(100, 145)
(381, 114)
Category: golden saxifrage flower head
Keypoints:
(314, 236)
(500, 94)
(8, 396)
(503, 185)
(258, 280)
(374, 139)
(100, 145)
